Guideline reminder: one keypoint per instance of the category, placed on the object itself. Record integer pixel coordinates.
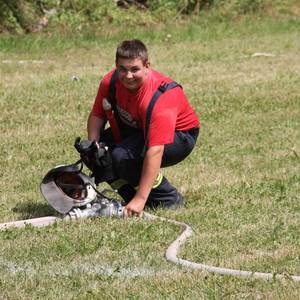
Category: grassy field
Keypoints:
(242, 182)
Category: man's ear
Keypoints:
(147, 66)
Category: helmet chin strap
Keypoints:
(101, 194)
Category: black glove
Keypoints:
(97, 158)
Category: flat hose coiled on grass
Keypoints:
(172, 251)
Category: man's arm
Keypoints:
(150, 171)
(94, 125)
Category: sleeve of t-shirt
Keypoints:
(103, 92)
(163, 119)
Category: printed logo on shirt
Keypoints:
(127, 118)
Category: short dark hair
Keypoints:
(131, 49)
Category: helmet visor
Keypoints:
(72, 185)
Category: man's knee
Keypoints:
(126, 165)
(119, 155)
(120, 161)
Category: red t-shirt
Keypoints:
(171, 112)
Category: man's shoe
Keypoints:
(180, 202)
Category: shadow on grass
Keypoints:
(29, 210)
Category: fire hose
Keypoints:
(108, 207)
(171, 253)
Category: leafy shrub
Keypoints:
(34, 15)
(16, 15)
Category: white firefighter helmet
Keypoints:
(66, 187)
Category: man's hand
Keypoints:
(135, 207)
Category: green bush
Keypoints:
(68, 15)
(16, 15)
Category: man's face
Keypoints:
(132, 72)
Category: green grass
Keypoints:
(242, 182)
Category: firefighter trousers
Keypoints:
(128, 158)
